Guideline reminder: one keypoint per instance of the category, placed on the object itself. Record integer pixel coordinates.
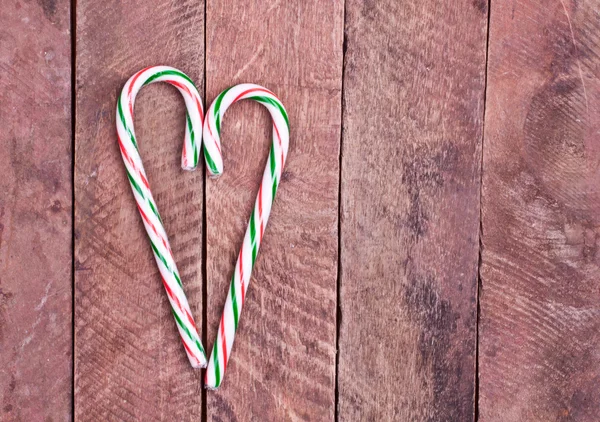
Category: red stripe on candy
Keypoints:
(144, 180)
(223, 342)
(195, 97)
(279, 139)
(147, 220)
(124, 152)
(181, 308)
(137, 75)
(170, 292)
(243, 291)
(248, 91)
(260, 213)
(189, 317)
(180, 86)
(184, 156)
(213, 138)
(187, 349)
(241, 259)
(277, 132)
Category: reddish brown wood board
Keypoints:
(283, 361)
(540, 298)
(411, 152)
(35, 211)
(129, 361)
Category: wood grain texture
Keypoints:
(130, 363)
(283, 360)
(411, 153)
(540, 300)
(35, 211)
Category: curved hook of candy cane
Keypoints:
(143, 197)
(258, 220)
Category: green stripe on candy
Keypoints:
(177, 278)
(272, 161)
(169, 73)
(274, 188)
(253, 239)
(217, 108)
(199, 346)
(219, 101)
(134, 183)
(158, 254)
(190, 128)
(192, 138)
(252, 227)
(209, 161)
(267, 100)
(122, 117)
(184, 328)
(234, 302)
(154, 210)
(217, 369)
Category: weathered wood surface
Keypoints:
(413, 105)
(411, 152)
(540, 301)
(283, 360)
(129, 360)
(35, 211)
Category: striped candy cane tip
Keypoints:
(146, 205)
(211, 133)
(193, 102)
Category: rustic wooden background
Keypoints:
(433, 252)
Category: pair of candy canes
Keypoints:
(198, 129)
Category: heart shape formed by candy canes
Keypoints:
(143, 197)
(159, 242)
(258, 219)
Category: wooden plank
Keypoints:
(130, 363)
(35, 211)
(283, 360)
(413, 112)
(540, 299)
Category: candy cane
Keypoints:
(145, 202)
(258, 220)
